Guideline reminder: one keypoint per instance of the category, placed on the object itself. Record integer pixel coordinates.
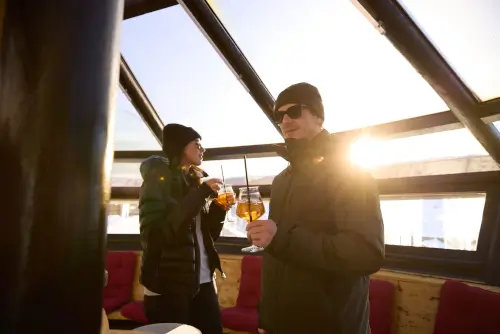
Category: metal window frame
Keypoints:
(478, 265)
(134, 8)
(136, 95)
(465, 111)
(216, 34)
(388, 17)
(396, 24)
(489, 111)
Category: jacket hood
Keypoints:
(157, 162)
(152, 163)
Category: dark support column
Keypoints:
(59, 64)
(2, 12)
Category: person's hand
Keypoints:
(261, 232)
(214, 184)
(225, 201)
(261, 331)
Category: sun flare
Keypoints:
(366, 152)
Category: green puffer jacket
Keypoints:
(169, 203)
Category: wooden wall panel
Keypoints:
(228, 288)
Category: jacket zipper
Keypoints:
(196, 256)
(195, 241)
(208, 240)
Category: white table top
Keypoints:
(169, 328)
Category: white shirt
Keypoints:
(204, 267)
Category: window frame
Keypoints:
(471, 265)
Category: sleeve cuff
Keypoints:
(280, 241)
(218, 209)
(207, 191)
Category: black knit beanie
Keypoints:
(175, 139)
(302, 93)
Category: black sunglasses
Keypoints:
(293, 112)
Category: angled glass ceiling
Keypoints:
(363, 79)
(131, 133)
(188, 82)
(467, 34)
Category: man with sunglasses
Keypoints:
(324, 236)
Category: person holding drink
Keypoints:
(226, 195)
(325, 233)
(180, 218)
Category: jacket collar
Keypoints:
(192, 176)
(301, 150)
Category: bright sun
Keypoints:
(366, 152)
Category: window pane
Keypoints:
(497, 125)
(123, 217)
(189, 83)
(448, 152)
(441, 222)
(125, 175)
(363, 79)
(449, 222)
(234, 226)
(131, 133)
(260, 170)
(467, 33)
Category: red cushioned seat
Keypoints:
(244, 317)
(240, 319)
(112, 304)
(251, 270)
(381, 306)
(121, 272)
(135, 311)
(464, 309)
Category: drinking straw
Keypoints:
(223, 180)
(248, 188)
(224, 184)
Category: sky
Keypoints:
(362, 78)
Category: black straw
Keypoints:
(223, 180)
(248, 188)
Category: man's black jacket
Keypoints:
(330, 237)
(168, 205)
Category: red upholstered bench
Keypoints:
(464, 309)
(121, 270)
(135, 311)
(381, 306)
(244, 316)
